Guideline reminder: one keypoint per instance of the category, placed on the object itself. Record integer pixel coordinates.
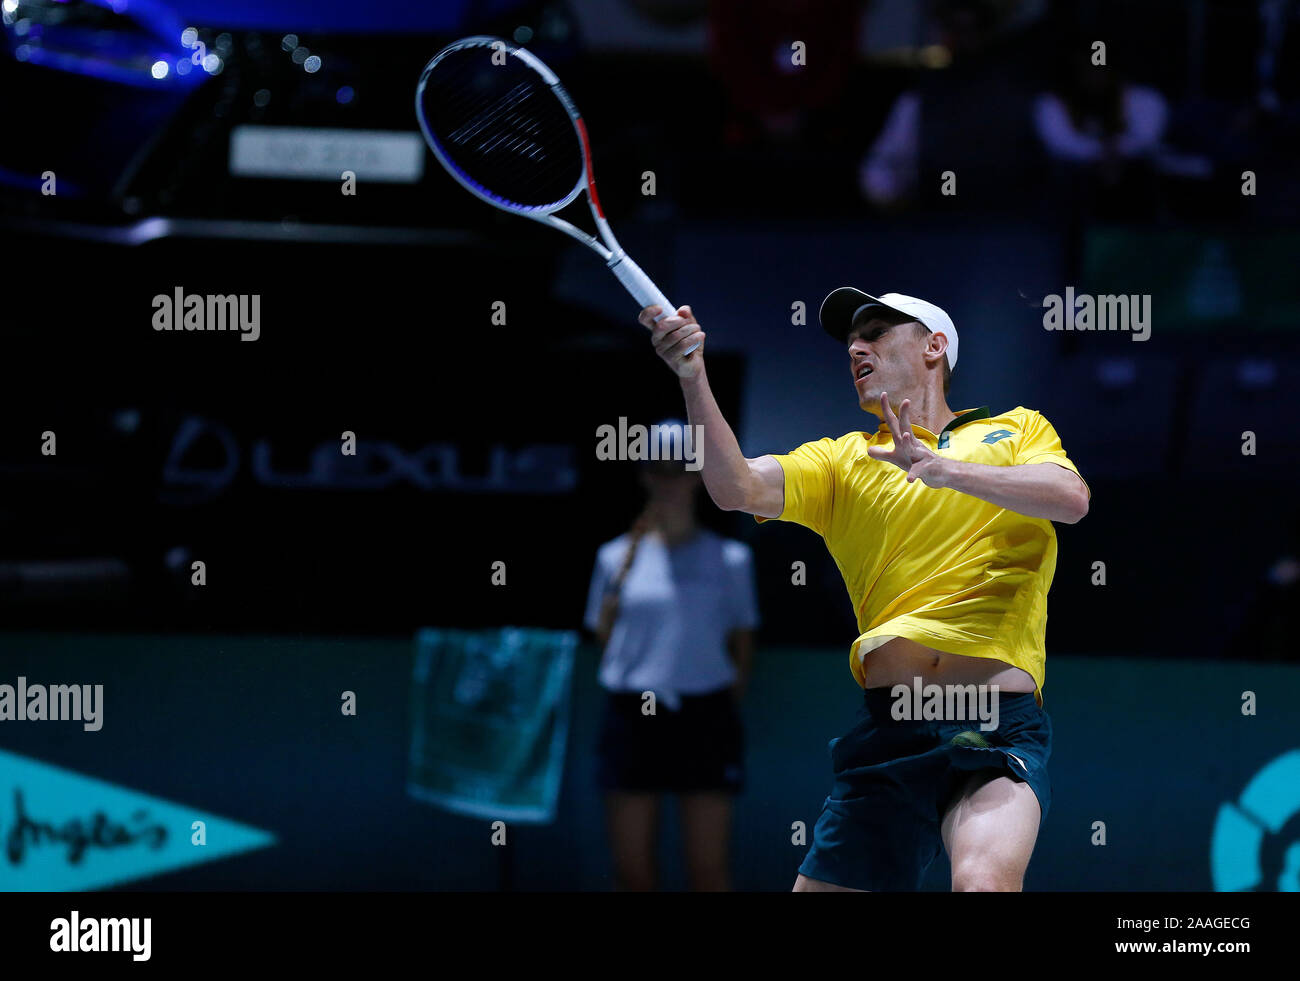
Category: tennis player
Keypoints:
(940, 523)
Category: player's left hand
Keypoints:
(908, 452)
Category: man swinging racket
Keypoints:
(941, 525)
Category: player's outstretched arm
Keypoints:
(734, 482)
(1036, 490)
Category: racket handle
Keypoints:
(642, 288)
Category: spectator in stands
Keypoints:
(967, 113)
(1106, 137)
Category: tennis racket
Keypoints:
(501, 124)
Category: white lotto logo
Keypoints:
(1084, 311)
(656, 442)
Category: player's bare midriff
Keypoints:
(901, 661)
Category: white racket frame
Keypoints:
(633, 277)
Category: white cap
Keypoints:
(842, 306)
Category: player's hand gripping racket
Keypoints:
(500, 123)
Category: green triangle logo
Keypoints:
(62, 831)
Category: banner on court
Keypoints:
(64, 831)
(490, 713)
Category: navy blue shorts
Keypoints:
(893, 780)
(697, 748)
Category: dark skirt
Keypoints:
(700, 747)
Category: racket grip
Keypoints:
(642, 287)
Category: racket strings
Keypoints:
(502, 128)
(505, 107)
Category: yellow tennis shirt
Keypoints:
(942, 568)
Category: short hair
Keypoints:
(947, 368)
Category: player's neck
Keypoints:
(927, 409)
(933, 416)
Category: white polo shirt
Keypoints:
(676, 608)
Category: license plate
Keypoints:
(324, 154)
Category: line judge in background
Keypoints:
(673, 606)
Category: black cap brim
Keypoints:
(840, 306)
